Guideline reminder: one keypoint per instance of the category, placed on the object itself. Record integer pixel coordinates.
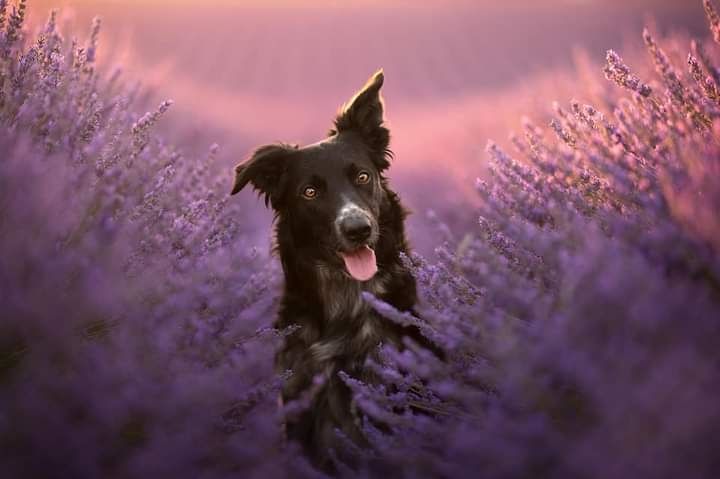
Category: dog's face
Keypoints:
(330, 194)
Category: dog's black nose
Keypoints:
(356, 229)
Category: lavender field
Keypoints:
(571, 270)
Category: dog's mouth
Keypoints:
(360, 263)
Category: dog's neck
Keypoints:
(341, 295)
(328, 286)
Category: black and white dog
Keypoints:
(339, 231)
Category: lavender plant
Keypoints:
(580, 314)
(135, 334)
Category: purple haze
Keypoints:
(577, 294)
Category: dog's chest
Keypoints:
(342, 297)
(352, 328)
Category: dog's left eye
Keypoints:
(309, 193)
(362, 178)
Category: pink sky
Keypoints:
(457, 72)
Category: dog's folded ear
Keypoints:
(363, 114)
(264, 171)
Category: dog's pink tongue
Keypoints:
(361, 263)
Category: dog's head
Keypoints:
(329, 195)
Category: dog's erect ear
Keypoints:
(364, 111)
(264, 170)
(363, 114)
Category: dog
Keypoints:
(339, 232)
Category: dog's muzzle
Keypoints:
(354, 226)
(357, 233)
(356, 229)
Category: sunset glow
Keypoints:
(222, 256)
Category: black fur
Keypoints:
(338, 329)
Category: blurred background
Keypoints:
(243, 73)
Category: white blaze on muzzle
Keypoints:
(350, 209)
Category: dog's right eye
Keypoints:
(309, 193)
